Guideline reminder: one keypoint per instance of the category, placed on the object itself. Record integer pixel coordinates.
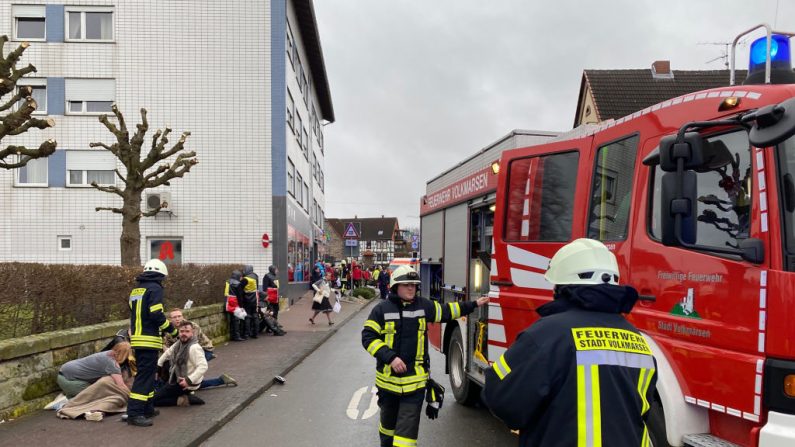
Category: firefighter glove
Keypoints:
(434, 396)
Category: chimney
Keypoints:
(661, 70)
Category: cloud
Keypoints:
(418, 86)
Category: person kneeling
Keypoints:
(186, 370)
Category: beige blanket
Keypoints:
(103, 395)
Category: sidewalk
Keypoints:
(253, 363)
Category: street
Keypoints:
(328, 400)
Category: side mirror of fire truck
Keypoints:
(680, 159)
(772, 124)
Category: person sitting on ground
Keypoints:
(76, 375)
(185, 373)
(269, 324)
(176, 318)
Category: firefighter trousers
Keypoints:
(143, 389)
(400, 418)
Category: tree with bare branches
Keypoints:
(16, 111)
(127, 148)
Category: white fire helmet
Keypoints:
(404, 275)
(156, 265)
(583, 261)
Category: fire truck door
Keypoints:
(704, 307)
(481, 225)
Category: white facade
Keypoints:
(198, 66)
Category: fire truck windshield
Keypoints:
(786, 169)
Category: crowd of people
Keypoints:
(162, 360)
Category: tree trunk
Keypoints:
(130, 241)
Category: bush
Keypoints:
(39, 298)
(364, 292)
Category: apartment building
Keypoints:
(246, 77)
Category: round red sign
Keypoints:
(265, 240)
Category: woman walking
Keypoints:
(320, 302)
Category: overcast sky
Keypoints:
(419, 85)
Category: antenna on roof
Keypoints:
(724, 55)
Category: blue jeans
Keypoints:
(207, 383)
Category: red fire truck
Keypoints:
(696, 198)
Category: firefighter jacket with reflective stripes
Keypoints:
(250, 286)
(580, 376)
(398, 329)
(147, 319)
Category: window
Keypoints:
(85, 178)
(723, 208)
(89, 24)
(299, 189)
(90, 96)
(305, 144)
(786, 161)
(85, 167)
(39, 93)
(611, 190)
(305, 89)
(166, 249)
(64, 243)
(290, 44)
(29, 22)
(540, 197)
(300, 74)
(306, 197)
(290, 108)
(34, 173)
(290, 177)
(299, 124)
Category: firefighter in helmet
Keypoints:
(395, 334)
(147, 321)
(582, 374)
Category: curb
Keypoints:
(212, 429)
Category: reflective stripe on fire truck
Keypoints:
(521, 260)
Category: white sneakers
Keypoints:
(56, 404)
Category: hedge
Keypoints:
(38, 298)
(364, 292)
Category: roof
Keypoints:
(307, 24)
(618, 93)
(370, 227)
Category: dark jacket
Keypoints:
(581, 364)
(147, 319)
(398, 329)
(234, 287)
(250, 284)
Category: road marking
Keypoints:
(373, 408)
(353, 406)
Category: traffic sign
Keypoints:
(351, 242)
(350, 231)
(415, 237)
(414, 245)
(265, 240)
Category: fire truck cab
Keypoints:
(696, 198)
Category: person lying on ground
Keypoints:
(76, 375)
(186, 370)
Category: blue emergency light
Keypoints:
(780, 60)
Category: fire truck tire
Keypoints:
(656, 425)
(465, 391)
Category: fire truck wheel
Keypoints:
(656, 425)
(465, 391)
